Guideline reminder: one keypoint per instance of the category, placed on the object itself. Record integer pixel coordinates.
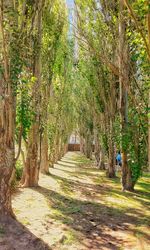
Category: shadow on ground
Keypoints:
(95, 221)
(87, 208)
(15, 236)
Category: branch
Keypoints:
(148, 25)
(102, 57)
(137, 24)
(6, 67)
(19, 142)
(24, 8)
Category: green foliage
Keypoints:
(137, 143)
(98, 89)
(19, 170)
(24, 113)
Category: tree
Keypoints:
(31, 172)
(96, 21)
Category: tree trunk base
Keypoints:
(129, 189)
(26, 185)
(101, 166)
(45, 172)
(110, 175)
(7, 214)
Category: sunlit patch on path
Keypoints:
(76, 207)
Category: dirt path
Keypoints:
(77, 208)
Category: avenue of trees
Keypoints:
(92, 77)
(113, 62)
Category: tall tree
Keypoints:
(127, 181)
(31, 171)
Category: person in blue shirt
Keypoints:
(118, 159)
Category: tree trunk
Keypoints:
(111, 166)
(7, 128)
(7, 150)
(98, 152)
(149, 135)
(24, 165)
(59, 148)
(65, 149)
(101, 164)
(44, 166)
(31, 172)
(97, 147)
(82, 144)
(7, 162)
(88, 145)
(111, 150)
(127, 183)
(56, 148)
(148, 25)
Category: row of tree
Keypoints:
(36, 114)
(113, 65)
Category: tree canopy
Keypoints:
(87, 74)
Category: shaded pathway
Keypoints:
(76, 207)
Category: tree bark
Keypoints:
(127, 183)
(148, 25)
(7, 163)
(81, 144)
(97, 147)
(98, 152)
(44, 166)
(7, 128)
(31, 171)
(101, 164)
(88, 145)
(111, 165)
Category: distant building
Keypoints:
(74, 139)
(74, 142)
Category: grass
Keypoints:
(70, 238)
(66, 205)
(135, 204)
(122, 201)
(66, 187)
(82, 160)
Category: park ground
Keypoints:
(76, 207)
